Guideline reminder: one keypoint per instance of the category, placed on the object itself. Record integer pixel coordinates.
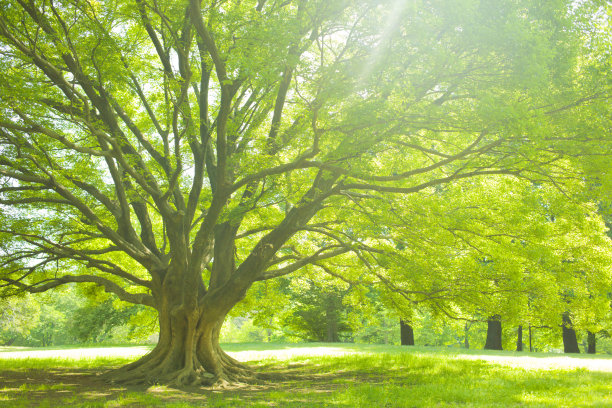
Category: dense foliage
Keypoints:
(71, 317)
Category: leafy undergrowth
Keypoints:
(373, 378)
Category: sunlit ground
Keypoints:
(75, 353)
(529, 361)
(310, 375)
(546, 363)
(276, 351)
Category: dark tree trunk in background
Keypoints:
(466, 330)
(519, 339)
(332, 331)
(10, 341)
(591, 343)
(406, 334)
(570, 342)
(530, 340)
(494, 333)
(331, 315)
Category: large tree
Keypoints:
(177, 152)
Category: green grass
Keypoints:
(393, 349)
(401, 380)
(378, 376)
(27, 364)
(71, 347)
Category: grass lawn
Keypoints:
(330, 375)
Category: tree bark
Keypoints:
(406, 334)
(530, 340)
(331, 317)
(519, 339)
(188, 351)
(570, 342)
(187, 354)
(591, 343)
(494, 333)
(466, 330)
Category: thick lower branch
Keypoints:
(109, 286)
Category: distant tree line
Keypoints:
(64, 318)
(317, 313)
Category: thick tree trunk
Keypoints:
(494, 333)
(591, 343)
(188, 351)
(519, 339)
(530, 340)
(570, 342)
(406, 334)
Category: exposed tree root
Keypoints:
(159, 369)
(187, 354)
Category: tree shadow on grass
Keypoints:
(52, 387)
(330, 382)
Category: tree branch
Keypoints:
(109, 286)
(316, 257)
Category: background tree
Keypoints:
(94, 323)
(469, 268)
(18, 316)
(175, 153)
(406, 333)
(318, 311)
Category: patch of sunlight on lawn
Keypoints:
(543, 363)
(285, 351)
(78, 353)
(289, 353)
